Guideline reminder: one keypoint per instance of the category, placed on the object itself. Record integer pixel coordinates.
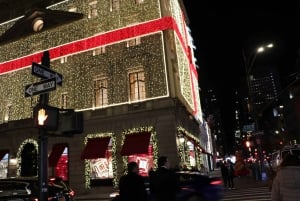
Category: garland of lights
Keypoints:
(19, 158)
(87, 172)
(183, 153)
(153, 141)
(63, 45)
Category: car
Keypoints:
(278, 155)
(27, 189)
(194, 186)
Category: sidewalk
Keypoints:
(97, 194)
(248, 182)
(243, 181)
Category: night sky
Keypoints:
(221, 29)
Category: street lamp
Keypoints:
(248, 65)
(249, 61)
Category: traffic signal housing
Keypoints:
(46, 117)
(70, 122)
(58, 121)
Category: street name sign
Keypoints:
(44, 72)
(40, 87)
(258, 133)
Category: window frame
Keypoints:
(114, 5)
(103, 99)
(141, 93)
(93, 11)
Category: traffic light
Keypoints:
(58, 121)
(46, 117)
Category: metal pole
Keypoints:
(43, 144)
(248, 64)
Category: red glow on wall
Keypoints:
(61, 169)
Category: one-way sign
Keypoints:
(40, 87)
(47, 73)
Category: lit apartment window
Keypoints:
(139, 1)
(92, 9)
(99, 50)
(137, 85)
(100, 87)
(114, 5)
(64, 100)
(134, 42)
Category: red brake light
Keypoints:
(72, 193)
(216, 182)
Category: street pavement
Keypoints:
(259, 193)
(242, 185)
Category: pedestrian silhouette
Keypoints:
(164, 182)
(286, 184)
(224, 173)
(131, 185)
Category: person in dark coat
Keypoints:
(230, 174)
(164, 182)
(286, 183)
(131, 185)
(224, 173)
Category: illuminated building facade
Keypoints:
(129, 66)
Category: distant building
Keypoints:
(212, 113)
(292, 112)
(264, 87)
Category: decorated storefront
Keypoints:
(140, 145)
(99, 157)
(100, 154)
(190, 152)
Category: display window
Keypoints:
(191, 151)
(99, 156)
(145, 161)
(102, 168)
(4, 166)
(61, 169)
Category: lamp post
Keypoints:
(248, 65)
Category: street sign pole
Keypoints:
(43, 143)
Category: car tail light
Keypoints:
(72, 193)
(216, 182)
(185, 188)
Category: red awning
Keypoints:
(95, 148)
(3, 152)
(136, 144)
(57, 151)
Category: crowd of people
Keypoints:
(227, 172)
(163, 183)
